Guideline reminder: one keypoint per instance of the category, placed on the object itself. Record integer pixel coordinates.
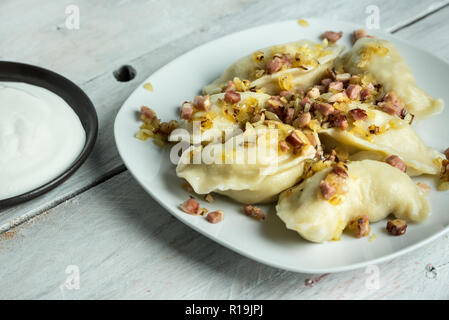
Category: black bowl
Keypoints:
(77, 100)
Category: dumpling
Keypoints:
(259, 175)
(383, 61)
(387, 135)
(223, 117)
(296, 65)
(373, 188)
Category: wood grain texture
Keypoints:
(124, 243)
(147, 35)
(127, 246)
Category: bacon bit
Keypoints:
(360, 226)
(274, 102)
(202, 103)
(294, 140)
(358, 114)
(147, 113)
(325, 82)
(256, 118)
(335, 86)
(339, 121)
(365, 94)
(215, 216)
(305, 101)
(313, 93)
(188, 187)
(284, 146)
(304, 120)
(274, 65)
(286, 93)
(190, 206)
(392, 105)
(253, 212)
(327, 190)
(340, 171)
(424, 187)
(186, 111)
(446, 153)
(209, 198)
(332, 36)
(232, 97)
(396, 227)
(353, 91)
(288, 115)
(358, 34)
(396, 162)
(324, 108)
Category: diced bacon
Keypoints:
(288, 115)
(188, 187)
(274, 65)
(215, 216)
(365, 94)
(396, 227)
(313, 93)
(294, 140)
(287, 58)
(335, 86)
(324, 108)
(396, 162)
(340, 171)
(339, 121)
(190, 206)
(254, 212)
(202, 102)
(209, 198)
(286, 93)
(390, 108)
(304, 120)
(358, 114)
(370, 86)
(232, 97)
(147, 113)
(305, 101)
(393, 98)
(353, 91)
(186, 111)
(327, 190)
(358, 34)
(332, 36)
(325, 82)
(284, 146)
(360, 226)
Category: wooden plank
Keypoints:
(126, 246)
(430, 33)
(125, 38)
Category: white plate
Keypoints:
(270, 242)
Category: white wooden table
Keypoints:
(102, 226)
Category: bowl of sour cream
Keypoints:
(48, 128)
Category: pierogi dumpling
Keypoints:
(373, 188)
(296, 65)
(386, 135)
(256, 177)
(380, 59)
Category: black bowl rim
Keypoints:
(91, 136)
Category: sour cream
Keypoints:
(40, 137)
